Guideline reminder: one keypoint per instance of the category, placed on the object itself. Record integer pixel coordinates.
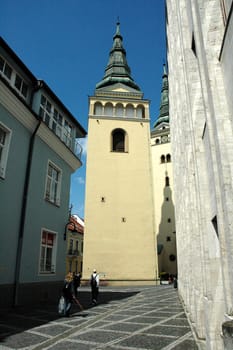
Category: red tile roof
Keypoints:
(75, 226)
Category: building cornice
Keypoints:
(139, 120)
(124, 98)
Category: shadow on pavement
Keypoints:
(20, 319)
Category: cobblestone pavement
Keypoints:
(133, 318)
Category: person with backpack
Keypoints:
(94, 282)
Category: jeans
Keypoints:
(68, 305)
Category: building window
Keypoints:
(21, 86)
(119, 110)
(5, 137)
(53, 184)
(108, 109)
(5, 68)
(168, 158)
(67, 134)
(129, 111)
(118, 140)
(168, 220)
(55, 121)
(162, 158)
(167, 181)
(14, 79)
(172, 257)
(98, 108)
(48, 252)
(76, 247)
(140, 112)
(168, 238)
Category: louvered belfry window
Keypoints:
(118, 140)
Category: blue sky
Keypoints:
(67, 43)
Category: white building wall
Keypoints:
(201, 132)
(164, 205)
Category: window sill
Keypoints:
(52, 203)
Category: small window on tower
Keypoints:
(162, 158)
(168, 157)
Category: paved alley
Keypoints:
(134, 318)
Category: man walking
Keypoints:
(94, 282)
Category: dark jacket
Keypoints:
(68, 290)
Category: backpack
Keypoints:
(93, 281)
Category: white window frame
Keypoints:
(55, 121)
(53, 185)
(4, 149)
(12, 79)
(44, 249)
(23, 88)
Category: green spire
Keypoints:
(164, 101)
(117, 70)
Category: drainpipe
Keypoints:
(23, 216)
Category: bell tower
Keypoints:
(119, 238)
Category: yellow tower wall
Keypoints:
(119, 238)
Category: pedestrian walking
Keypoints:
(175, 282)
(69, 294)
(76, 282)
(94, 282)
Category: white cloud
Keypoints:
(80, 180)
(83, 143)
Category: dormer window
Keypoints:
(21, 86)
(5, 68)
(14, 79)
(55, 121)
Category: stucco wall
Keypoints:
(202, 151)
(120, 251)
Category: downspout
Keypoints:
(23, 216)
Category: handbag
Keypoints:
(61, 306)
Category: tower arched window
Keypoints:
(119, 110)
(168, 158)
(108, 109)
(162, 158)
(129, 111)
(167, 182)
(98, 108)
(119, 140)
(140, 112)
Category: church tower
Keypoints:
(119, 236)
(163, 187)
